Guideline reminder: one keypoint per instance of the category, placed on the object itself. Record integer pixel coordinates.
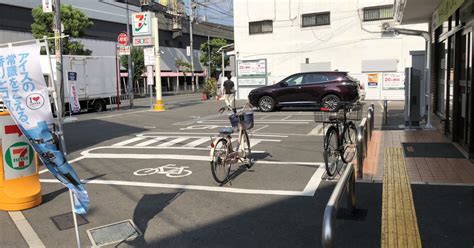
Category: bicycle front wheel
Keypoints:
(349, 141)
(331, 153)
(246, 151)
(219, 166)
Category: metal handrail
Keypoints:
(347, 181)
(371, 119)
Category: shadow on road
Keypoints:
(87, 133)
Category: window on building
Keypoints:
(378, 13)
(261, 27)
(315, 19)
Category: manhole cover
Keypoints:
(66, 221)
(113, 233)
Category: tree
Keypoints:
(185, 67)
(215, 57)
(138, 62)
(74, 21)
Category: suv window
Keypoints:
(315, 78)
(295, 80)
(334, 77)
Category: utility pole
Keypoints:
(208, 57)
(191, 20)
(130, 72)
(58, 46)
(159, 105)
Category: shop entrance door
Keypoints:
(465, 91)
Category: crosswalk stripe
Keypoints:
(198, 142)
(173, 141)
(129, 141)
(151, 141)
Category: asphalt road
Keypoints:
(129, 160)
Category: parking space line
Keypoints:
(263, 117)
(260, 128)
(296, 122)
(314, 182)
(317, 131)
(150, 141)
(286, 118)
(25, 229)
(135, 139)
(198, 142)
(71, 161)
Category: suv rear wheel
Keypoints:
(330, 101)
(266, 103)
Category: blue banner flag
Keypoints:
(26, 97)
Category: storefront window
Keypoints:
(441, 92)
(450, 95)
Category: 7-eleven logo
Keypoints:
(19, 156)
(141, 22)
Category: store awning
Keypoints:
(415, 11)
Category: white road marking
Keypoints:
(126, 142)
(88, 154)
(157, 134)
(254, 131)
(173, 141)
(151, 141)
(192, 187)
(317, 131)
(380, 103)
(314, 182)
(25, 228)
(263, 117)
(254, 143)
(198, 142)
(296, 122)
(72, 161)
(286, 118)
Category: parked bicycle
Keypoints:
(222, 153)
(340, 139)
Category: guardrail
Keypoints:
(370, 119)
(347, 181)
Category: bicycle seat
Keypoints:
(226, 130)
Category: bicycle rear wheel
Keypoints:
(246, 151)
(349, 141)
(219, 167)
(331, 153)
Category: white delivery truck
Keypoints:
(96, 81)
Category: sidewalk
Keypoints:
(420, 169)
(427, 199)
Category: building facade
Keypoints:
(296, 36)
(451, 30)
(110, 18)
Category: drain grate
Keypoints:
(66, 221)
(113, 233)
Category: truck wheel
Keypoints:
(99, 106)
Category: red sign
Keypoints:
(13, 129)
(122, 39)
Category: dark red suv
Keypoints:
(307, 89)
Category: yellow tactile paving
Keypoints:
(399, 224)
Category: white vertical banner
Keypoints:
(26, 97)
(73, 98)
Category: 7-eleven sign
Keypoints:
(141, 24)
(19, 156)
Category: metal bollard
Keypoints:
(385, 110)
(360, 155)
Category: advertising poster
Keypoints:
(393, 81)
(26, 97)
(73, 98)
(373, 80)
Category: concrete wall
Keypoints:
(343, 45)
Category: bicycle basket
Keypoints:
(248, 120)
(234, 121)
(353, 112)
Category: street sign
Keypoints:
(47, 6)
(149, 75)
(149, 54)
(141, 24)
(143, 41)
(17, 153)
(123, 50)
(122, 39)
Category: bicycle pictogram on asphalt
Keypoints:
(170, 170)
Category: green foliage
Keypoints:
(183, 66)
(138, 62)
(210, 87)
(74, 21)
(215, 57)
